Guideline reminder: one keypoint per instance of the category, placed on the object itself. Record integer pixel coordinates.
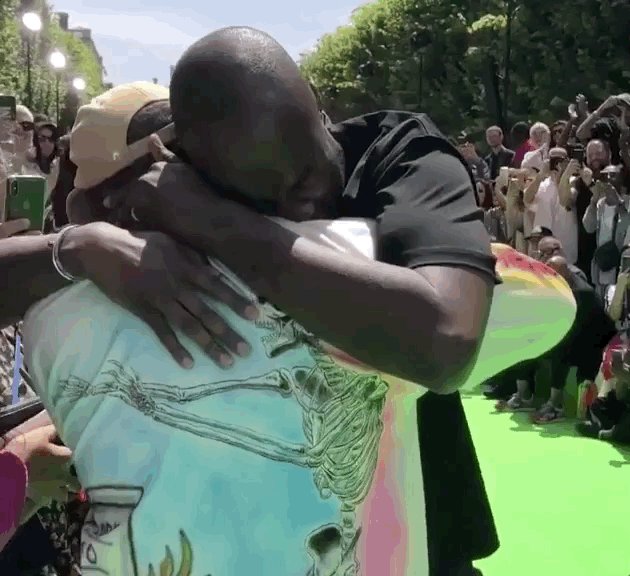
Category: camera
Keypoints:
(577, 153)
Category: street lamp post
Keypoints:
(58, 62)
(33, 24)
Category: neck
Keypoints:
(498, 148)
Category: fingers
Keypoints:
(12, 227)
(160, 152)
(156, 321)
(180, 318)
(218, 329)
(207, 279)
(59, 451)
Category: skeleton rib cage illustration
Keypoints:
(341, 420)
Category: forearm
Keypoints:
(566, 133)
(583, 132)
(565, 193)
(530, 192)
(615, 310)
(28, 275)
(386, 316)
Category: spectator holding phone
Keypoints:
(608, 217)
(550, 211)
(477, 165)
(579, 178)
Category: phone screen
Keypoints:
(7, 108)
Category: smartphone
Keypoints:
(576, 153)
(26, 198)
(7, 108)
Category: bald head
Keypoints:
(243, 113)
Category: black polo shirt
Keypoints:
(402, 172)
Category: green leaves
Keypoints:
(448, 57)
(81, 61)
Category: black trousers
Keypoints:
(29, 550)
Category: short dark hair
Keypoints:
(520, 129)
(148, 120)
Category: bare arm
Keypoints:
(410, 323)
(532, 189)
(28, 275)
(583, 132)
(590, 218)
(566, 133)
(566, 191)
(615, 310)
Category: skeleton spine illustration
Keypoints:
(341, 418)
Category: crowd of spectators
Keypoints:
(31, 145)
(561, 194)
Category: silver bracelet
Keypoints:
(55, 253)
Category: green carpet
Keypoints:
(561, 503)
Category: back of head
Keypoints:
(241, 109)
(539, 133)
(519, 133)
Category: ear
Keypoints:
(159, 151)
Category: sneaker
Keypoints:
(548, 414)
(516, 403)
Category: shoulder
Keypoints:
(367, 139)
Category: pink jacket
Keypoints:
(14, 480)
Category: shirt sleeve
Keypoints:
(429, 214)
(544, 216)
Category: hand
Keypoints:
(159, 280)
(581, 104)
(13, 227)
(586, 175)
(38, 444)
(573, 168)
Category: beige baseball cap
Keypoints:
(98, 141)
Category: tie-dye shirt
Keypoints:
(296, 461)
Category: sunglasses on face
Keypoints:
(27, 126)
(44, 138)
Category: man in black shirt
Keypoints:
(499, 155)
(249, 123)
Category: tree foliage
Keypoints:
(449, 58)
(80, 61)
